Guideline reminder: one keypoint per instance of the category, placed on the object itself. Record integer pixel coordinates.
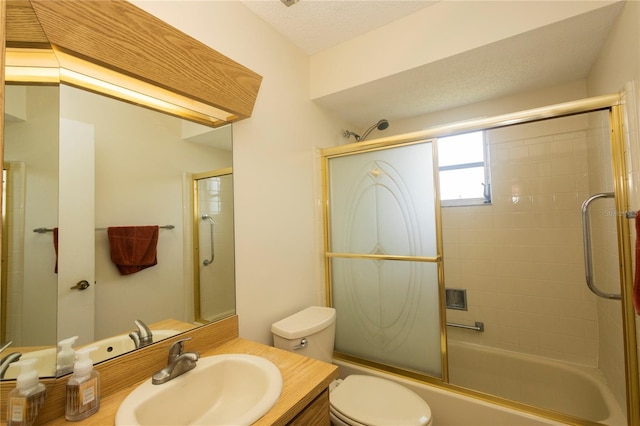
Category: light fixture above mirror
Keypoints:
(53, 66)
(149, 63)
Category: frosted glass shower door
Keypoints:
(214, 286)
(384, 257)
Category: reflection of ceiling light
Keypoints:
(289, 2)
(31, 65)
(47, 66)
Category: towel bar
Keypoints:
(45, 230)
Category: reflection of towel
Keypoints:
(636, 281)
(55, 247)
(133, 248)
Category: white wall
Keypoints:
(140, 162)
(279, 268)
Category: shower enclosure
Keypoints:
(520, 259)
(214, 276)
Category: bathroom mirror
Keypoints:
(141, 171)
(108, 177)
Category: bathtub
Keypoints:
(454, 409)
(572, 389)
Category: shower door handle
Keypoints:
(586, 240)
(209, 261)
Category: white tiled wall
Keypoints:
(520, 258)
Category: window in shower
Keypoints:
(463, 164)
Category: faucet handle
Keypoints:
(143, 329)
(135, 336)
(177, 348)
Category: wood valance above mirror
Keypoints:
(120, 37)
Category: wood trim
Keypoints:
(23, 28)
(316, 413)
(121, 37)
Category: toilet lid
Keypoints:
(374, 401)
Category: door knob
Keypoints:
(82, 285)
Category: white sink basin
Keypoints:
(121, 344)
(45, 364)
(229, 389)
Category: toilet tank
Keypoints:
(310, 332)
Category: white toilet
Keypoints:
(358, 399)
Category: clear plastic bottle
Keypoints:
(66, 356)
(83, 388)
(28, 396)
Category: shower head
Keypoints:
(380, 125)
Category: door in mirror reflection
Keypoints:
(214, 290)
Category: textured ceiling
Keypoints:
(551, 55)
(314, 25)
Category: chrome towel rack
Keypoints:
(161, 227)
(45, 230)
(586, 239)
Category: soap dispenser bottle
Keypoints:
(83, 388)
(28, 396)
(66, 356)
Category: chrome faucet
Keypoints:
(7, 360)
(142, 336)
(179, 363)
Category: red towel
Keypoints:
(636, 280)
(133, 248)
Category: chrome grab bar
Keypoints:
(479, 326)
(586, 239)
(209, 261)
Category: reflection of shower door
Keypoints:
(384, 257)
(214, 277)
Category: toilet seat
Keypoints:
(369, 400)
